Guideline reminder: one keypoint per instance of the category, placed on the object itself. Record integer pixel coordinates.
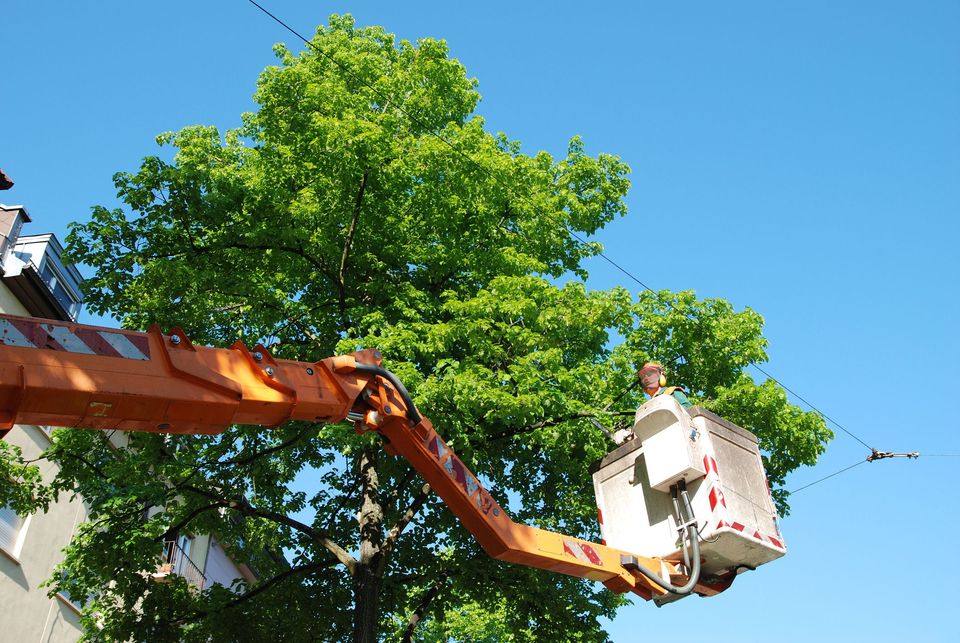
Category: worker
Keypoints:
(654, 382)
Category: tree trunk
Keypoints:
(367, 580)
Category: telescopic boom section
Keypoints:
(75, 375)
(101, 378)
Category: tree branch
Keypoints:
(266, 585)
(344, 257)
(399, 488)
(422, 606)
(259, 589)
(296, 250)
(97, 470)
(394, 533)
(530, 428)
(344, 499)
(259, 454)
(184, 522)
(243, 506)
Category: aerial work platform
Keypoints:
(716, 461)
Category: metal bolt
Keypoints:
(269, 371)
(309, 371)
(258, 356)
(175, 340)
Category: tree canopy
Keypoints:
(363, 204)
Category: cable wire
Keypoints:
(807, 486)
(802, 399)
(573, 234)
(485, 170)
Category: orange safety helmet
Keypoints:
(652, 375)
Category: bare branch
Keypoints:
(259, 589)
(344, 499)
(540, 425)
(298, 250)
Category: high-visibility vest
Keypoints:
(668, 390)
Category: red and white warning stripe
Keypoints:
(719, 510)
(710, 465)
(581, 551)
(600, 518)
(756, 535)
(716, 498)
(17, 331)
(713, 480)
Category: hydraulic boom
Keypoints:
(74, 375)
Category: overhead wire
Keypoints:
(836, 473)
(346, 69)
(913, 455)
(802, 399)
(433, 133)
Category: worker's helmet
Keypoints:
(652, 375)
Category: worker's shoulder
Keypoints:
(679, 395)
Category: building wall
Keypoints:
(28, 614)
(218, 568)
(10, 304)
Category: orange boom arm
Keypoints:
(75, 375)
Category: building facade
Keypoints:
(35, 281)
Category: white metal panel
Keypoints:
(670, 441)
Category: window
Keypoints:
(184, 542)
(77, 605)
(54, 281)
(12, 528)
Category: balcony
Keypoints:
(176, 562)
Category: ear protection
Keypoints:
(662, 377)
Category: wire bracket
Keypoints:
(880, 455)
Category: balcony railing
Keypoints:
(176, 561)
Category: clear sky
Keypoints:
(800, 158)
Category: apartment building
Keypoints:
(35, 281)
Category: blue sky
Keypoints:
(802, 160)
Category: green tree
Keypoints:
(335, 218)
